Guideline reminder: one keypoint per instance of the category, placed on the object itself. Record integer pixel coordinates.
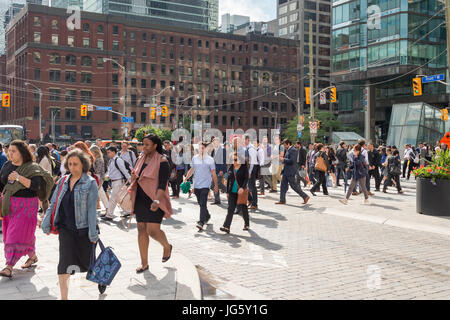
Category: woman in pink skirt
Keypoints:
(23, 184)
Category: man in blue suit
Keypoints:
(289, 172)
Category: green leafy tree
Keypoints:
(164, 134)
(329, 123)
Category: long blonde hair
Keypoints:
(97, 152)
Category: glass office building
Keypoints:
(415, 123)
(385, 52)
(197, 14)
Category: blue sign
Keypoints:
(299, 134)
(104, 108)
(127, 119)
(437, 77)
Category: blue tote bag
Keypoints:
(104, 268)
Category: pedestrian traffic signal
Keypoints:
(164, 111)
(307, 95)
(444, 114)
(318, 124)
(83, 110)
(333, 94)
(417, 86)
(6, 100)
(153, 113)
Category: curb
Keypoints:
(391, 222)
(187, 279)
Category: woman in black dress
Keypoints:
(150, 196)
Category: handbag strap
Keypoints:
(92, 260)
(235, 178)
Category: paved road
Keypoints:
(291, 252)
(299, 252)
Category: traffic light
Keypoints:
(333, 94)
(307, 95)
(318, 124)
(417, 86)
(444, 114)
(84, 110)
(164, 111)
(153, 114)
(6, 100)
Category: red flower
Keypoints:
(421, 166)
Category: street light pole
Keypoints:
(40, 108)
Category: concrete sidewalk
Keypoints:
(392, 209)
(176, 279)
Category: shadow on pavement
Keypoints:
(152, 285)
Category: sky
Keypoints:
(258, 10)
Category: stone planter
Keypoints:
(432, 199)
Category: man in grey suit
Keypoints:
(289, 172)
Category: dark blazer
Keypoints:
(290, 162)
(374, 158)
(241, 175)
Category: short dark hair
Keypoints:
(112, 149)
(396, 152)
(361, 142)
(84, 159)
(358, 147)
(341, 143)
(299, 142)
(64, 153)
(319, 146)
(24, 149)
(287, 141)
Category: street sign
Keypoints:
(90, 107)
(147, 105)
(437, 77)
(299, 134)
(323, 98)
(104, 108)
(313, 127)
(127, 119)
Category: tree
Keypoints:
(329, 123)
(163, 134)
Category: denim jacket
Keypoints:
(86, 193)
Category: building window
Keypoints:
(86, 61)
(133, 82)
(55, 39)
(37, 37)
(163, 69)
(100, 44)
(86, 42)
(55, 75)
(100, 28)
(37, 21)
(132, 35)
(100, 62)
(71, 114)
(133, 101)
(37, 74)
(54, 24)
(55, 58)
(71, 96)
(71, 41)
(115, 45)
(55, 94)
(115, 30)
(86, 27)
(115, 97)
(86, 96)
(282, 20)
(71, 76)
(71, 60)
(86, 77)
(153, 68)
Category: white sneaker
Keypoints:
(366, 201)
(344, 201)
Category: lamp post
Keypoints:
(54, 114)
(124, 71)
(40, 108)
(293, 100)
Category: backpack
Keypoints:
(56, 166)
(127, 166)
(394, 167)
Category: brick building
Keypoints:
(232, 75)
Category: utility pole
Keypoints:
(447, 21)
(311, 75)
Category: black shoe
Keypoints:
(165, 259)
(312, 193)
(207, 220)
(101, 288)
(227, 230)
(272, 191)
(339, 185)
(200, 226)
(127, 215)
(105, 218)
(216, 202)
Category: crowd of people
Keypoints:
(59, 189)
